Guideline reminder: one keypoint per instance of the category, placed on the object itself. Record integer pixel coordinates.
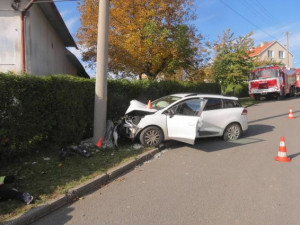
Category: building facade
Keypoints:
(34, 38)
(272, 51)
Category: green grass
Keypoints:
(247, 101)
(47, 179)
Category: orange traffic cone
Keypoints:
(149, 105)
(291, 115)
(99, 143)
(282, 156)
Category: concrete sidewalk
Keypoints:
(79, 191)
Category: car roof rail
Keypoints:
(192, 94)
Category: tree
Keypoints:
(146, 36)
(232, 64)
(259, 62)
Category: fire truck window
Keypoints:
(264, 74)
(213, 103)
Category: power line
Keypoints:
(253, 24)
(256, 10)
(267, 11)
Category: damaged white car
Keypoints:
(185, 117)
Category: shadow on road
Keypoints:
(271, 117)
(294, 155)
(216, 143)
(59, 219)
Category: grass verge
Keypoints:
(45, 175)
(247, 101)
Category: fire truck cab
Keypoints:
(272, 82)
(297, 80)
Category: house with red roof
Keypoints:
(273, 51)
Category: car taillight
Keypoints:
(245, 112)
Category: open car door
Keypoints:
(183, 119)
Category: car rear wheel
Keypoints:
(232, 132)
(151, 136)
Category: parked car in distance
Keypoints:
(185, 117)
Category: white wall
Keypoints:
(10, 38)
(276, 48)
(45, 52)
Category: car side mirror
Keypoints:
(170, 113)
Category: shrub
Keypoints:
(59, 109)
(238, 90)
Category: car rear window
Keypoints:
(213, 103)
(228, 103)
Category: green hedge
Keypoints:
(238, 90)
(54, 110)
(38, 113)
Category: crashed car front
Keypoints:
(139, 116)
(134, 114)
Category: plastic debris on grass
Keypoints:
(137, 146)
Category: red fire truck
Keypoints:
(272, 82)
(297, 80)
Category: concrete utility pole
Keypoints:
(288, 51)
(101, 74)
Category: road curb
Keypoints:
(73, 194)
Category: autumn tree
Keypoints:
(260, 62)
(232, 63)
(145, 37)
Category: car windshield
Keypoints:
(263, 74)
(164, 102)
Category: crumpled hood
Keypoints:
(138, 106)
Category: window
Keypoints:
(270, 54)
(266, 73)
(281, 54)
(228, 103)
(213, 103)
(189, 107)
(164, 102)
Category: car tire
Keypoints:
(151, 136)
(232, 132)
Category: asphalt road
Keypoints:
(212, 182)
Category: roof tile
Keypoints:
(259, 49)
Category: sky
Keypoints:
(269, 20)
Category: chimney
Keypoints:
(262, 44)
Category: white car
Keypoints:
(185, 117)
